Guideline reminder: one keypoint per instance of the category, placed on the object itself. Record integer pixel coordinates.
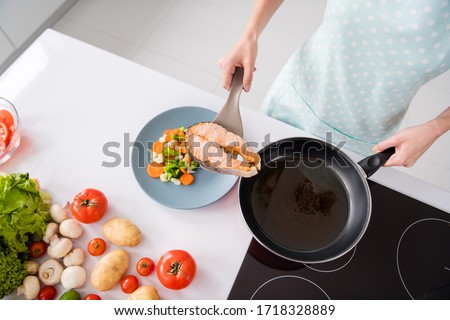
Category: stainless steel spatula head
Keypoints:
(229, 116)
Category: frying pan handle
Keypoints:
(372, 163)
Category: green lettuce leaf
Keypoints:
(24, 211)
(24, 215)
(12, 271)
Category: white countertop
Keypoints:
(73, 98)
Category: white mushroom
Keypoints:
(73, 277)
(32, 267)
(29, 288)
(74, 258)
(50, 272)
(71, 228)
(52, 229)
(59, 213)
(59, 247)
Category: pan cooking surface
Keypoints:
(299, 205)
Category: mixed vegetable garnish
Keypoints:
(170, 159)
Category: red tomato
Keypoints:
(176, 269)
(145, 266)
(92, 296)
(89, 206)
(96, 247)
(4, 132)
(129, 283)
(37, 249)
(12, 129)
(47, 293)
(6, 117)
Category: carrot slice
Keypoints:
(158, 146)
(183, 149)
(187, 179)
(171, 132)
(155, 169)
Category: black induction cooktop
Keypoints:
(404, 254)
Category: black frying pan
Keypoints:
(310, 202)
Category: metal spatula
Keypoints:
(229, 116)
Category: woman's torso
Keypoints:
(360, 70)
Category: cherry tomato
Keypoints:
(129, 283)
(89, 205)
(96, 247)
(92, 296)
(37, 249)
(145, 266)
(176, 269)
(47, 293)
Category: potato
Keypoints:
(144, 293)
(122, 232)
(109, 270)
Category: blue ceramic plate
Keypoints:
(207, 187)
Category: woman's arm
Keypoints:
(244, 52)
(410, 143)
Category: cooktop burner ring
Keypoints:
(353, 251)
(401, 275)
(290, 276)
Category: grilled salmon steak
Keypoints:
(220, 150)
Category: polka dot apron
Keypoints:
(356, 76)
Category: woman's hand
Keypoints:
(411, 143)
(243, 54)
